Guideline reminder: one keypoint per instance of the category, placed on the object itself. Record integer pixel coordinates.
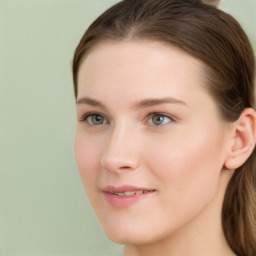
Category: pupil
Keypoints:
(158, 119)
(97, 119)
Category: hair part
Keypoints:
(219, 41)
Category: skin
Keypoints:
(182, 158)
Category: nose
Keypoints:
(121, 151)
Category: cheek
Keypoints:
(87, 155)
(187, 165)
(186, 172)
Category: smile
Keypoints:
(131, 193)
(126, 196)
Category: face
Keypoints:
(150, 145)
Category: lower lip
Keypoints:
(125, 201)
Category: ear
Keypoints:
(243, 139)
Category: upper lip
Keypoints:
(125, 188)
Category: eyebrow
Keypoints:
(90, 102)
(138, 105)
(157, 101)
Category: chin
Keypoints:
(121, 235)
(127, 234)
(127, 239)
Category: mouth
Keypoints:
(131, 193)
(126, 196)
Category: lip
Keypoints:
(125, 201)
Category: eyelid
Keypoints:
(88, 114)
(150, 115)
(172, 119)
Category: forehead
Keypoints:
(139, 67)
(137, 53)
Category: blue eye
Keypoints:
(159, 119)
(95, 119)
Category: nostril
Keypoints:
(124, 167)
(118, 161)
(119, 165)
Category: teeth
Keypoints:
(131, 193)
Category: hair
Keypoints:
(218, 40)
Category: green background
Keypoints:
(43, 207)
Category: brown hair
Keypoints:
(218, 40)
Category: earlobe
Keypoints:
(244, 139)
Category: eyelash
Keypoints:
(88, 115)
(150, 116)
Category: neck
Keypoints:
(202, 236)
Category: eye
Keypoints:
(159, 119)
(95, 119)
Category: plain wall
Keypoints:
(43, 207)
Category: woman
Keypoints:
(166, 132)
